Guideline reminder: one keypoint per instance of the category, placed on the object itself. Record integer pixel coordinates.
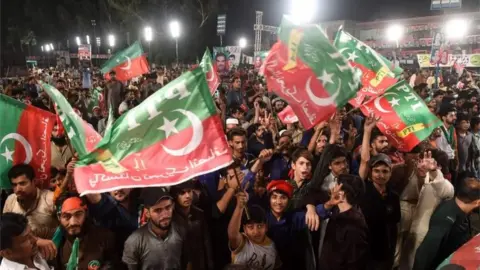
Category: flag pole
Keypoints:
(240, 187)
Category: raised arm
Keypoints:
(235, 238)
(370, 123)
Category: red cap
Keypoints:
(280, 185)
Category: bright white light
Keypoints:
(111, 40)
(395, 32)
(148, 32)
(42, 48)
(175, 29)
(88, 39)
(242, 42)
(51, 46)
(47, 48)
(98, 41)
(79, 42)
(456, 28)
(302, 11)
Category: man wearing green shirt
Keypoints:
(448, 228)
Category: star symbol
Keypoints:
(169, 126)
(8, 154)
(394, 102)
(326, 77)
(352, 56)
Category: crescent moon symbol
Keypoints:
(377, 103)
(197, 135)
(211, 71)
(24, 142)
(129, 64)
(322, 101)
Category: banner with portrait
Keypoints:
(259, 58)
(226, 57)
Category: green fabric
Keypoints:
(139, 127)
(73, 260)
(411, 109)
(206, 61)
(313, 48)
(11, 111)
(357, 51)
(132, 52)
(57, 237)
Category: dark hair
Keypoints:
(438, 93)
(331, 152)
(11, 225)
(301, 152)
(353, 186)
(468, 190)
(220, 54)
(21, 169)
(462, 117)
(236, 132)
(257, 215)
(474, 121)
(375, 134)
(236, 109)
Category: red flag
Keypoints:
(131, 69)
(287, 116)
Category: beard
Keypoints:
(59, 141)
(162, 226)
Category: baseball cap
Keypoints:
(380, 158)
(153, 195)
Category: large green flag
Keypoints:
(172, 136)
(378, 74)
(25, 133)
(309, 73)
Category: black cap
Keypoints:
(174, 190)
(153, 195)
(380, 158)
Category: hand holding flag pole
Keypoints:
(243, 190)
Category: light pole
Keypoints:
(79, 42)
(88, 39)
(148, 32)
(111, 41)
(175, 30)
(302, 11)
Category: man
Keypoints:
(114, 93)
(449, 228)
(116, 211)
(235, 95)
(220, 61)
(82, 243)
(381, 208)
(278, 105)
(231, 123)
(162, 243)
(193, 220)
(60, 152)
(475, 124)
(18, 244)
(466, 146)
(447, 142)
(237, 140)
(35, 204)
(231, 61)
(128, 103)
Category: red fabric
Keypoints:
(280, 185)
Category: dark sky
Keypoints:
(241, 13)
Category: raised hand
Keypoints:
(371, 121)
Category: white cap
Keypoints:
(232, 121)
(282, 131)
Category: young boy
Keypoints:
(252, 247)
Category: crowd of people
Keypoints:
(337, 196)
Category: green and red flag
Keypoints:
(128, 63)
(467, 256)
(210, 73)
(378, 74)
(82, 135)
(96, 99)
(171, 137)
(405, 118)
(25, 133)
(304, 69)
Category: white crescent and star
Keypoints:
(322, 101)
(28, 148)
(393, 102)
(129, 63)
(196, 139)
(169, 126)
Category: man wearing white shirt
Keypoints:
(18, 245)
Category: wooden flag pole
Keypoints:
(240, 187)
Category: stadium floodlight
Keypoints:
(456, 28)
(302, 11)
